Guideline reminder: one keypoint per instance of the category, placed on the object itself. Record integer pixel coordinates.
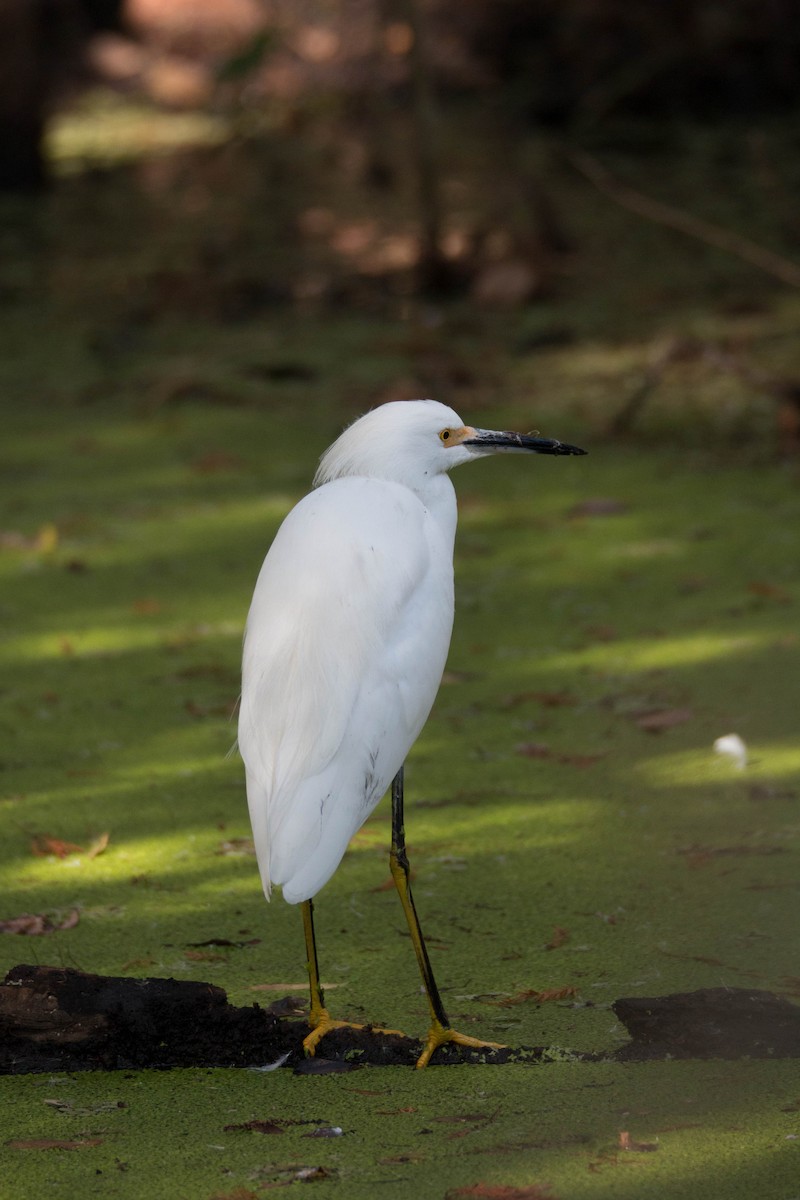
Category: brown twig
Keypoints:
(674, 349)
(684, 222)
(785, 391)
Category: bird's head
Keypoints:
(410, 440)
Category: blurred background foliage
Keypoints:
(595, 168)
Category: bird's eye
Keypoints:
(445, 435)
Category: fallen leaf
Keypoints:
(36, 924)
(217, 460)
(539, 997)
(580, 760)
(562, 993)
(453, 677)
(626, 1142)
(559, 938)
(43, 846)
(204, 956)
(542, 750)
(769, 591)
(665, 718)
(147, 606)
(254, 1127)
(465, 1118)
(29, 924)
(98, 845)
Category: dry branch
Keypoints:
(785, 391)
(684, 222)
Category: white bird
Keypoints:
(344, 649)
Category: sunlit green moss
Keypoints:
(106, 129)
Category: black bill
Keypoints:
(491, 440)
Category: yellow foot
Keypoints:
(323, 1024)
(440, 1035)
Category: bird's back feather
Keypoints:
(344, 649)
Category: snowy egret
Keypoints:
(344, 649)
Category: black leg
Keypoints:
(401, 873)
(319, 1018)
(318, 1011)
(440, 1031)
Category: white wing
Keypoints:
(344, 649)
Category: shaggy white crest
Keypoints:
(399, 441)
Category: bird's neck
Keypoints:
(439, 497)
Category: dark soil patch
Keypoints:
(54, 1018)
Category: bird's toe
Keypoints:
(442, 1035)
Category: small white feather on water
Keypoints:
(732, 746)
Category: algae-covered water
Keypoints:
(717, 1129)
(569, 823)
(556, 842)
